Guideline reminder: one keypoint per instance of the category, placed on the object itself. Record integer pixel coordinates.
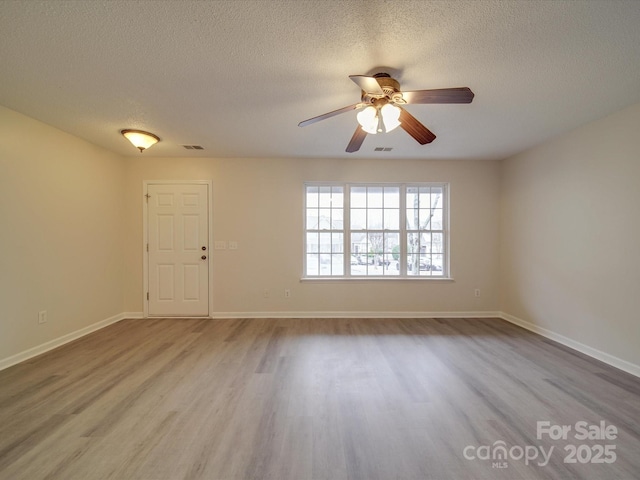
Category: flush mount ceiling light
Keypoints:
(141, 140)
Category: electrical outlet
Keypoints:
(233, 245)
(42, 316)
(265, 293)
(287, 293)
(477, 292)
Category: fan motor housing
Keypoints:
(389, 86)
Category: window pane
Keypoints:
(437, 265)
(325, 219)
(436, 219)
(359, 268)
(437, 243)
(358, 219)
(376, 242)
(325, 197)
(312, 219)
(413, 243)
(337, 264)
(391, 242)
(337, 244)
(337, 218)
(391, 219)
(436, 197)
(325, 264)
(337, 197)
(374, 219)
(358, 243)
(374, 197)
(377, 266)
(325, 243)
(312, 196)
(358, 197)
(412, 219)
(425, 243)
(412, 197)
(392, 267)
(425, 197)
(312, 243)
(425, 218)
(391, 197)
(413, 264)
(312, 264)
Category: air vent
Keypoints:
(193, 147)
(383, 149)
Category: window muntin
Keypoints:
(366, 230)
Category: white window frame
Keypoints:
(403, 231)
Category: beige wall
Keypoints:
(570, 235)
(61, 233)
(258, 203)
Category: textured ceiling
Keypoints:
(237, 76)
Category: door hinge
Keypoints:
(147, 295)
(147, 196)
(147, 247)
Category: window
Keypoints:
(376, 230)
(324, 231)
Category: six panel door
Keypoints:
(178, 239)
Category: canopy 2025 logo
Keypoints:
(499, 452)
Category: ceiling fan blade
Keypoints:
(356, 140)
(369, 84)
(309, 121)
(443, 95)
(413, 127)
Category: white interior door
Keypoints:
(178, 243)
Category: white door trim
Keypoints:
(145, 237)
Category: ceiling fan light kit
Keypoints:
(376, 119)
(368, 119)
(382, 101)
(391, 116)
(140, 139)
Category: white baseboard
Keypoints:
(361, 314)
(337, 314)
(580, 347)
(57, 342)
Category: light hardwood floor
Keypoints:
(297, 399)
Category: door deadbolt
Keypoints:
(204, 248)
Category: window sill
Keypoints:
(377, 279)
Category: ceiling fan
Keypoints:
(382, 102)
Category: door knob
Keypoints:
(204, 257)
